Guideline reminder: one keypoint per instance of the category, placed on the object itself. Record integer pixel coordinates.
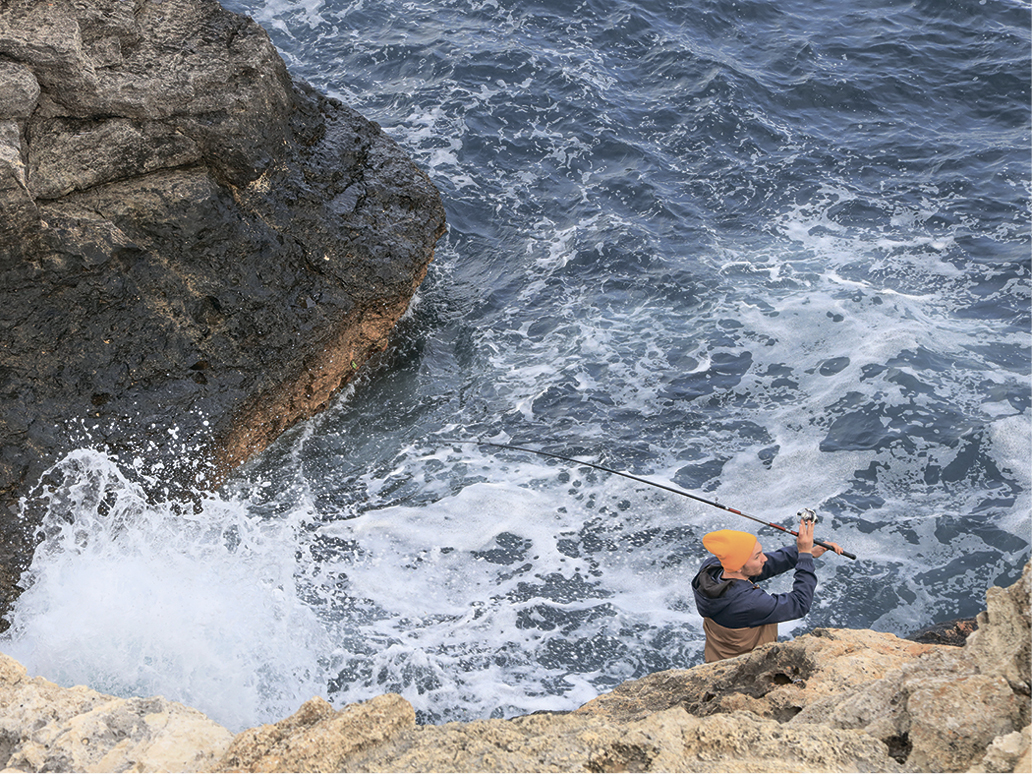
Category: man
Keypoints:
(737, 615)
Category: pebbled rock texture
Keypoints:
(196, 251)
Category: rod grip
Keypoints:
(830, 548)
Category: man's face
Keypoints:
(756, 561)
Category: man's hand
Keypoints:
(804, 541)
(818, 550)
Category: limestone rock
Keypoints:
(833, 700)
(953, 632)
(47, 728)
(196, 251)
(934, 708)
(318, 738)
(1001, 644)
(380, 736)
(16, 203)
(775, 681)
(19, 92)
(1010, 753)
(69, 154)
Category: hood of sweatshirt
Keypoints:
(711, 591)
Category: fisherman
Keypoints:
(737, 615)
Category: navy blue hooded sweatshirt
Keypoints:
(738, 604)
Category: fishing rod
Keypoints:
(675, 490)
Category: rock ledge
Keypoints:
(833, 700)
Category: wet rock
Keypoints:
(196, 250)
(72, 154)
(953, 632)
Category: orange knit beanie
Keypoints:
(731, 547)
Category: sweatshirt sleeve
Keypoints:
(779, 561)
(755, 607)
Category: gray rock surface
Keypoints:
(196, 251)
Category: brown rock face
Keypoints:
(1001, 645)
(832, 700)
(196, 251)
(380, 735)
(318, 738)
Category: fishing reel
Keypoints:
(808, 515)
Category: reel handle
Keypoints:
(810, 515)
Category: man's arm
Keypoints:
(755, 607)
(782, 560)
(785, 558)
(762, 608)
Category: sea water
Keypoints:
(773, 253)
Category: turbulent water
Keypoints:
(774, 253)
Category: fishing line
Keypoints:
(675, 490)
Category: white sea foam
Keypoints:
(479, 583)
(459, 589)
(135, 598)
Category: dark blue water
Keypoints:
(776, 253)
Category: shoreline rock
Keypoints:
(954, 632)
(196, 250)
(830, 700)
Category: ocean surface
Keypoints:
(776, 254)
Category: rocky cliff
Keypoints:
(196, 250)
(831, 700)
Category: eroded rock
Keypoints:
(44, 727)
(933, 707)
(380, 736)
(1001, 644)
(833, 700)
(196, 251)
(319, 738)
(776, 681)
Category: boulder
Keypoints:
(953, 632)
(319, 738)
(196, 250)
(1000, 646)
(1010, 753)
(933, 707)
(776, 681)
(831, 700)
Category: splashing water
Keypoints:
(777, 253)
(138, 598)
